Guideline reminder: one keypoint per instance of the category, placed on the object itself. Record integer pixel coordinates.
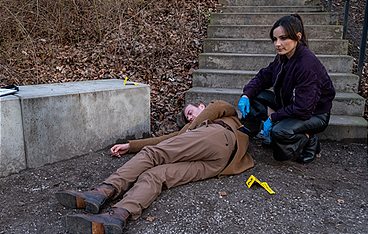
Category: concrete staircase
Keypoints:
(238, 45)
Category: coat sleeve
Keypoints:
(137, 145)
(216, 109)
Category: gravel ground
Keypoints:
(327, 196)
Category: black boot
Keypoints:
(91, 201)
(310, 151)
(106, 223)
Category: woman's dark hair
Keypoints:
(292, 24)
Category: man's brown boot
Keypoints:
(91, 201)
(106, 223)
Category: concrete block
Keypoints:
(12, 155)
(69, 119)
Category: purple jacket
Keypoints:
(301, 84)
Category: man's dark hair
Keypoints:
(292, 24)
(181, 120)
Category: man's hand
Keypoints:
(267, 126)
(244, 106)
(119, 149)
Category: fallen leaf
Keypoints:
(150, 218)
(340, 201)
(222, 194)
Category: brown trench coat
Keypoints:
(216, 110)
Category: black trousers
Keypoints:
(288, 135)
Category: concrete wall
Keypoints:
(12, 154)
(60, 121)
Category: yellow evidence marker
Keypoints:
(253, 179)
(130, 83)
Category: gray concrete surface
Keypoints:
(216, 78)
(262, 46)
(343, 104)
(262, 31)
(269, 2)
(60, 121)
(12, 154)
(262, 18)
(254, 62)
(236, 9)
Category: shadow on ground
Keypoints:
(327, 196)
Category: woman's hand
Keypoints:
(244, 106)
(266, 131)
(119, 149)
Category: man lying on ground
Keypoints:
(209, 145)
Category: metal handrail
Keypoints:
(346, 18)
(363, 42)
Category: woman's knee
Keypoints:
(278, 133)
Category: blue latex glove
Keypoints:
(244, 106)
(266, 131)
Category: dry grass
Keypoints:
(154, 42)
(65, 21)
(32, 32)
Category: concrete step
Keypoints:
(213, 78)
(269, 2)
(265, 46)
(238, 46)
(291, 8)
(341, 127)
(268, 18)
(254, 62)
(262, 31)
(344, 103)
(348, 104)
(346, 128)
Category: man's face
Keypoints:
(191, 112)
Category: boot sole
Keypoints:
(72, 200)
(82, 224)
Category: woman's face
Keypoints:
(283, 44)
(191, 112)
